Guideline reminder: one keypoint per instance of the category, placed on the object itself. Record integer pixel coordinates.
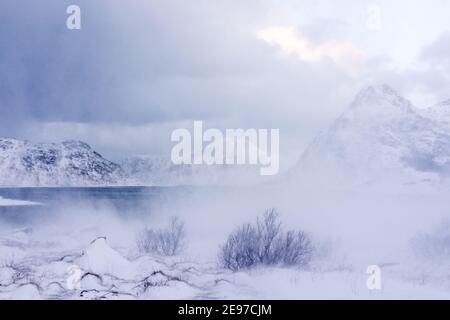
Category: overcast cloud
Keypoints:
(139, 69)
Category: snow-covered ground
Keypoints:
(100, 272)
(11, 202)
(72, 262)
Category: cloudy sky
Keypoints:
(139, 69)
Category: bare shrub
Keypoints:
(21, 271)
(166, 242)
(265, 243)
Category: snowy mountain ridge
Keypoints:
(70, 163)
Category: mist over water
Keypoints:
(362, 227)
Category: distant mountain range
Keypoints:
(380, 138)
(75, 163)
(156, 170)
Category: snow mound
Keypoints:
(27, 291)
(101, 259)
(6, 276)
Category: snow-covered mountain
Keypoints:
(157, 170)
(439, 113)
(74, 163)
(154, 170)
(70, 163)
(382, 137)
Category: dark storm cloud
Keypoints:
(47, 73)
(146, 61)
(130, 63)
(138, 69)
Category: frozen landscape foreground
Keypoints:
(95, 244)
(43, 273)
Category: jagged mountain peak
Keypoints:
(380, 96)
(76, 144)
(71, 144)
(381, 135)
(381, 90)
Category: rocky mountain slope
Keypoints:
(70, 163)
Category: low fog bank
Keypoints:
(358, 228)
(364, 227)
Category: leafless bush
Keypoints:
(21, 271)
(265, 243)
(166, 242)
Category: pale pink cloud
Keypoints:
(291, 42)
